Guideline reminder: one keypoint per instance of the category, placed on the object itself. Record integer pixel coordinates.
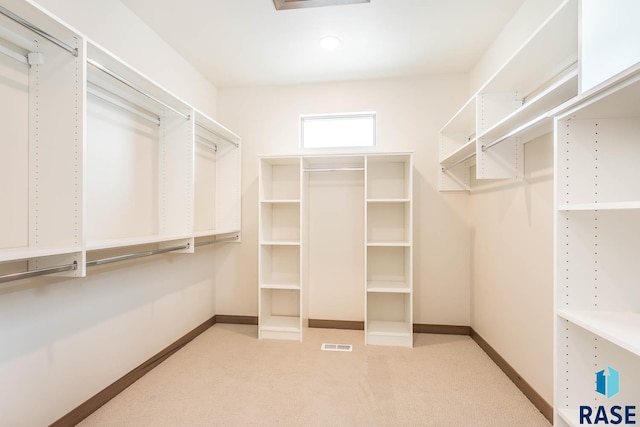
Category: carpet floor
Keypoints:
(227, 377)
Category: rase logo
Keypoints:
(608, 385)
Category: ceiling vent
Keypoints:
(298, 4)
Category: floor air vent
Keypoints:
(337, 347)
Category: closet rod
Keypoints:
(30, 26)
(217, 134)
(516, 131)
(124, 106)
(549, 81)
(204, 141)
(446, 168)
(14, 55)
(38, 272)
(135, 87)
(333, 169)
(135, 255)
(213, 242)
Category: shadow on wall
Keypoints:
(40, 312)
(441, 238)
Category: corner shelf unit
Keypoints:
(95, 156)
(283, 243)
(597, 227)
(515, 106)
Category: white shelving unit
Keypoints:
(597, 234)
(94, 156)
(284, 243)
(217, 188)
(280, 255)
(514, 106)
(139, 158)
(389, 250)
(41, 149)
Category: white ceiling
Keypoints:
(248, 42)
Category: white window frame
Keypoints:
(366, 114)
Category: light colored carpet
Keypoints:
(226, 377)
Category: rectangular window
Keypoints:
(338, 130)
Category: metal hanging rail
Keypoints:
(213, 242)
(204, 141)
(31, 27)
(516, 131)
(14, 55)
(135, 255)
(333, 169)
(118, 103)
(200, 125)
(38, 272)
(135, 87)
(446, 168)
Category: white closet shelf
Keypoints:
(566, 207)
(388, 328)
(389, 244)
(466, 150)
(275, 201)
(554, 42)
(620, 328)
(24, 253)
(282, 324)
(213, 232)
(388, 287)
(463, 120)
(539, 106)
(279, 243)
(284, 286)
(388, 200)
(132, 241)
(570, 416)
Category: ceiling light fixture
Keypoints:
(329, 42)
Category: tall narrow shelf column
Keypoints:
(389, 250)
(279, 256)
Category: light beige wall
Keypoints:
(512, 229)
(409, 114)
(512, 266)
(64, 340)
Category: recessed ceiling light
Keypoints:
(329, 42)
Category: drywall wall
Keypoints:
(64, 340)
(410, 112)
(512, 266)
(113, 26)
(512, 236)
